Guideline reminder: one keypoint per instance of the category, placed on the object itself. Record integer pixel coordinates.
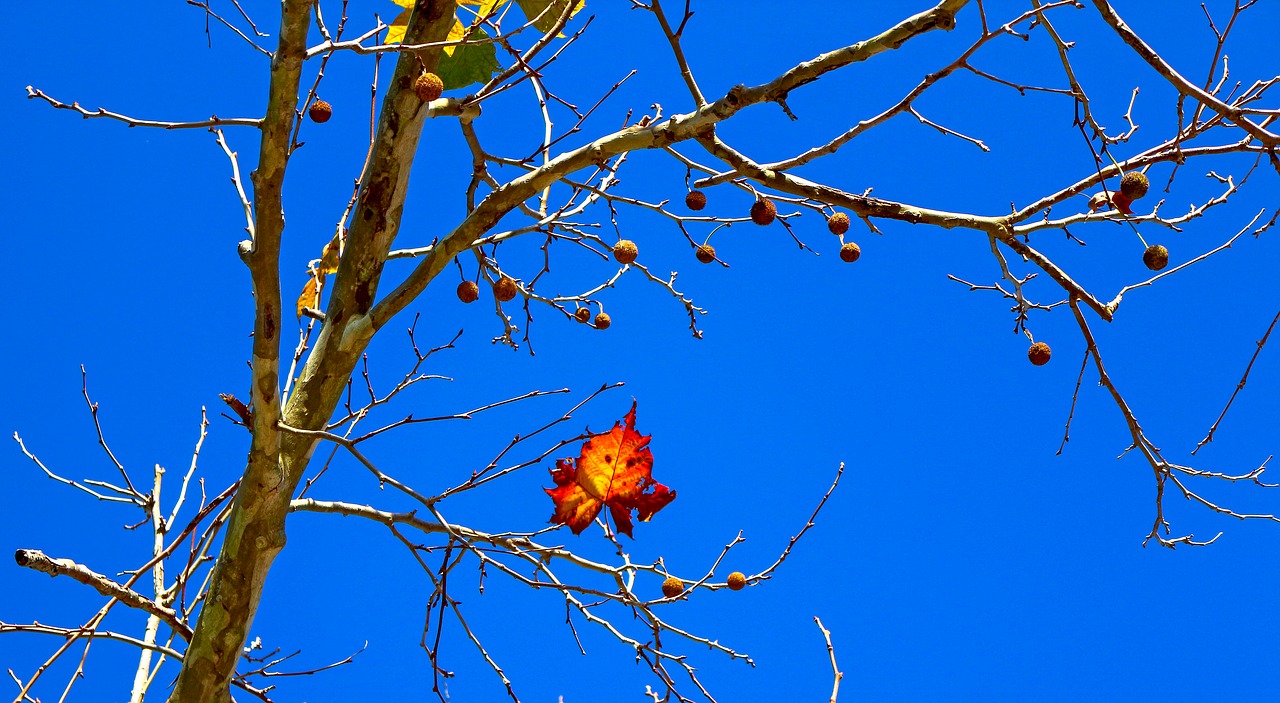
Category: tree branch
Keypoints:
(39, 561)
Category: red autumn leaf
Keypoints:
(1122, 202)
(1117, 200)
(615, 470)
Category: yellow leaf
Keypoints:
(310, 297)
(456, 33)
(395, 34)
(398, 26)
(329, 256)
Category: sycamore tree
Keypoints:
(523, 210)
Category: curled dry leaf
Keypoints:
(310, 297)
(614, 469)
(329, 256)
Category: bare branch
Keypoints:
(831, 650)
(35, 559)
(212, 122)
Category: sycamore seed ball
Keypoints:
(695, 200)
(504, 289)
(428, 87)
(1134, 185)
(838, 223)
(468, 292)
(672, 587)
(1156, 257)
(706, 253)
(320, 111)
(1039, 353)
(582, 314)
(603, 321)
(763, 212)
(737, 581)
(625, 251)
(850, 252)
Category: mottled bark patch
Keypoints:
(363, 296)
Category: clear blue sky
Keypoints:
(960, 559)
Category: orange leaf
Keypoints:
(613, 470)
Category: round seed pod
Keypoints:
(1134, 185)
(763, 212)
(320, 111)
(504, 289)
(428, 87)
(1156, 257)
(838, 223)
(850, 252)
(625, 251)
(1039, 353)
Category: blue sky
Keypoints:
(959, 559)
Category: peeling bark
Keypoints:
(256, 530)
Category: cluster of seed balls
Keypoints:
(505, 289)
(673, 586)
(428, 87)
(1133, 186)
(764, 212)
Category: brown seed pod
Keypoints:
(1156, 257)
(1134, 185)
(850, 252)
(695, 200)
(504, 289)
(1039, 353)
(625, 251)
(838, 223)
(603, 321)
(672, 587)
(428, 87)
(737, 581)
(468, 292)
(320, 111)
(763, 212)
(705, 253)
(582, 314)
